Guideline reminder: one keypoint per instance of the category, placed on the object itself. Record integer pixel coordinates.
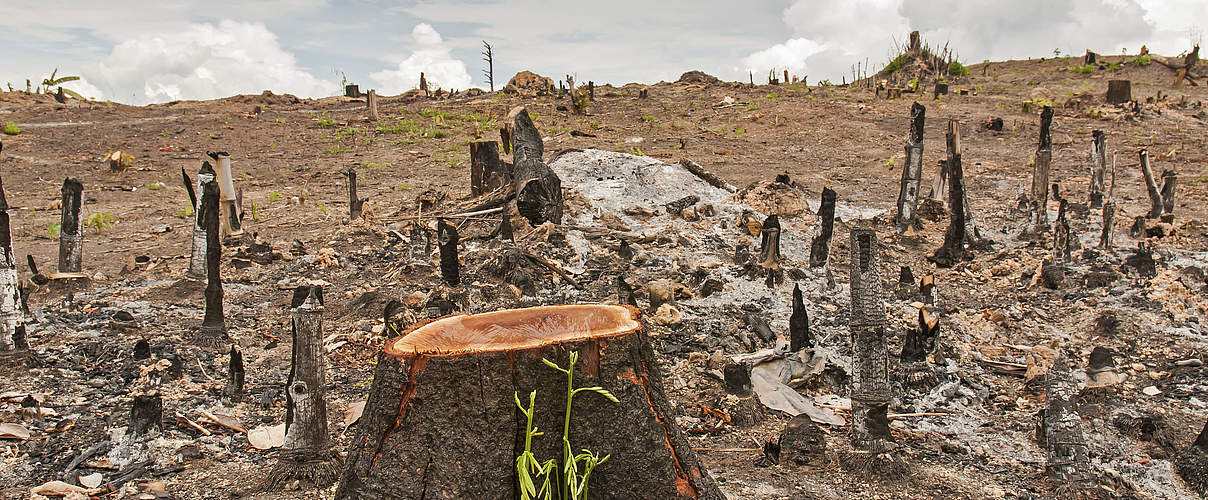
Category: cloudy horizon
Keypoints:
(137, 53)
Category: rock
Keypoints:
(696, 76)
(1052, 275)
(802, 442)
(1151, 391)
(528, 83)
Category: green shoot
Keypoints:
(99, 221)
(11, 128)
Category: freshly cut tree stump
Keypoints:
(443, 408)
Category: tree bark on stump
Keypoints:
(1169, 179)
(447, 239)
(355, 205)
(912, 172)
(1151, 187)
(820, 246)
(487, 171)
(71, 230)
(197, 258)
(1066, 447)
(1040, 173)
(956, 236)
(1192, 464)
(1098, 167)
(12, 315)
(371, 101)
(306, 454)
(870, 392)
(214, 323)
(1109, 225)
(444, 400)
(1119, 91)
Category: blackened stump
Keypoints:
(442, 420)
(820, 246)
(921, 340)
(1109, 225)
(799, 324)
(1192, 464)
(146, 414)
(1169, 178)
(214, 322)
(956, 236)
(450, 270)
(355, 205)
(1040, 173)
(197, 258)
(1098, 167)
(235, 375)
(1151, 186)
(870, 393)
(1067, 450)
(12, 316)
(912, 173)
(71, 231)
(487, 171)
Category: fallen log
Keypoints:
(420, 433)
(707, 176)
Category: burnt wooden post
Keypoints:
(920, 341)
(355, 205)
(1040, 173)
(1151, 187)
(146, 414)
(235, 375)
(1192, 463)
(820, 246)
(12, 316)
(912, 172)
(371, 102)
(769, 248)
(214, 321)
(232, 226)
(870, 392)
(352, 91)
(957, 235)
(1098, 167)
(538, 189)
(799, 324)
(1062, 234)
(1064, 441)
(591, 90)
(1109, 225)
(487, 171)
(197, 258)
(1119, 91)
(446, 236)
(71, 230)
(420, 434)
(1169, 178)
(306, 454)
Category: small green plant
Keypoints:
(280, 119)
(1056, 52)
(52, 230)
(156, 186)
(255, 212)
(47, 83)
(648, 118)
(739, 131)
(99, 221)
(568, 483)
(752, 107)
(185, 210)
(322, 208)
(11, 128)
(1116, 66)
(772, 95)
(891, 162)
(1089, 68)
(326, 122)
(213, 135)
(955, 68)
(335, 148)
(1142, 60)
(274, 196)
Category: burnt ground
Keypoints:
(289, 161)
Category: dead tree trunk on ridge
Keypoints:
(419, 432)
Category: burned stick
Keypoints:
(1098, 167)
(71, 234)
(912, 172)
(1061, 233)
(1040, 173)
(769, 249)
(354, 204)
(12, 317)
(1109, 225)
(214, 321)
(870, 386)
(306, 454)
(820, 246)
(1169, 178)
(1151, 187)
(197, 258)
(799, 324)
(189, 189)
(235, 375)
(446, 236)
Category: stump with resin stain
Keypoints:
(442, 422)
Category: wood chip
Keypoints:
(263, 438)
(14, 431)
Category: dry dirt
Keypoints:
(289, 160)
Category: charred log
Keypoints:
(214, 322)
(71, 230)
(912, 173)
(820, 246)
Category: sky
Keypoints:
(150, 52)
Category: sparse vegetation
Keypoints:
(1089, 68)
(99, 221)
(11, 128)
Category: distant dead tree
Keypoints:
(489, 56)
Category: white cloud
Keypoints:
(790, 55)
(431, 56)
(202, 61)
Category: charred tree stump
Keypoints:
(1098, 167)
(769, 250)
(1040, 173)
(353, 91)
(197, 258)
(371, 102)
(231, 224)
(1109, 225)
(1192, 464)
(1062, 236)
(146, 414)
(1064, 441)
(956, 236)
(538, 189)
(1119, 91)
(12, 315)
(214, 323)
(820, 246)
(1151, 187)
(306, 454)
(487, 171)
(235, 376)
(71, 230)
(799, 324)
(419, 434)
(446, 236)
(1169, 178)
(355, 205)
(920, 342)
(912, 173)
(870, 392)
